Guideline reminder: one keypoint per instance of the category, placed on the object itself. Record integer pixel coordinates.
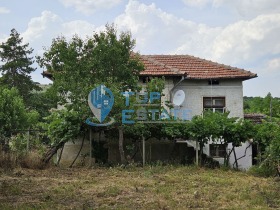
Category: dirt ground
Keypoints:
(159, 187)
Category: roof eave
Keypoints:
(47, 75)
(201, 78)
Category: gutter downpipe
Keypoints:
(181, 80)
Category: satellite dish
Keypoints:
(179, 97)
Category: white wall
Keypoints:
(232, 90)
(195, 90)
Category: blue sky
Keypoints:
(240, 33)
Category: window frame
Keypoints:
(214, 82)
(219, 152)
(214, 107)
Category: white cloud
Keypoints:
(157, 31)
(245, 44)
(90, 6)
(79, 27)
(196, 3)
(38, 26)
(41, 30)
(3, 37)
(248, 41)
(245, 8)
(273, 65)
(4, 10)
(253, 8)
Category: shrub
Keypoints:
(7, 160)
(263, 170)
(32, 160)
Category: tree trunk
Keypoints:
(51, 152)
(201, 154)
(79, 151)
(227, 157)
(236, 162)
(121, 145)
(60, 155)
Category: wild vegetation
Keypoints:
(17, 66)
(268, 105)
(32, 130)
(78, 66)
(266, 134)
(151, 187)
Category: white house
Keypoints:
(207, 86)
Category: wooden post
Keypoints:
(196, 152)
(150, 151)
(90, 147)
(28, 139)
(144, 150)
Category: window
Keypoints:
(215, 104)
(217, 150)
(146, 79)
(213, 82)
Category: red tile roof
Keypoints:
(185, 65)
(192, 67)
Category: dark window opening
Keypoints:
(213, 82)
(217, 150)
(146, 79)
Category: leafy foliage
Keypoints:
(268, 139)
(13, 114)
(218, 127)
(17, 66)
(79, 65)
(43, 102)
(267, 105)
(267, 133)
(63, 125)
(175, 131)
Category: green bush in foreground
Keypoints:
(263, 171)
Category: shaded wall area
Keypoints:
(155, 150)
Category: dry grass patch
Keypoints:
(161, 187)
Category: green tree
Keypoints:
(203, 128)
(218, 127)
(265, 133)
(268, 105)
(62, 126)
(237, 133)
(17, 65)
(13, 114)
(268, 141)
(43, 102)
(79, 65)
(231, 130)
(273, 154)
